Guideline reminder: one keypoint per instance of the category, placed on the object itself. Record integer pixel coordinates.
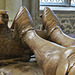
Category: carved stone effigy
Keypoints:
(50, 22)
(52, 58)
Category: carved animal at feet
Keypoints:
(55, 34)
(52, 58)
(10, 43)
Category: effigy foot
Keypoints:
(50, 20)
(21, 24)
(23, 20)
(55, 34)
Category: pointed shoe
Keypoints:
(23, 21)
(50, 20)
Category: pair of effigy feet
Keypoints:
(54, 59)
(50, 23)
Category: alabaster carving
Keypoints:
(53, 59)
(55, 34)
